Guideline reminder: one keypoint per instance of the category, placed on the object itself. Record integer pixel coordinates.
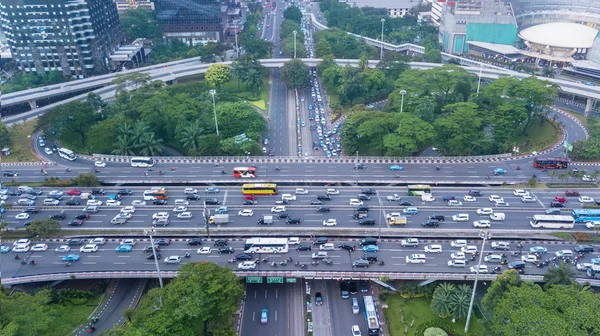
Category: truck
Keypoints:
(86, 196)
(394, 198)
(400, 220)
(266, 220)
(219, 219)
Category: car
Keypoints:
(457, 255)
(126, 192)
(124, 248)
(73, 192)
(88, 248)
(409, 242)
(370, 248)
(355, 201)
(75, 222)
(499, 171)
(571, 193)
(355, 330)
(113, 203)
(184, 215)
(249, 202)
(529, 258)
(172, 260)
(163, 241)
(83, 216)
(221, 210)
(212, 190)
(99, 164)
(332, 192)
(528, 199)
(502, 245)
(126, 215)
(495, 198)
(347, 246)
(159, 202)
(74, 202)
(479, 269)
(458, 243)
(484, 223)
(55, 193)
(4, 249)
(410, 211)
(22, 216)
(454, 203)
(469, 198)
(585, 199)
(431, 223)
(94, 202)
(128, 209)
(485, 211)
(587, 178)
(278, 208)
(318, 299)
(226, 249)
(179, 209)
(205, 250)
(39, 248)
(520, 192)
(76, 242)
(246, 213)
(71, 258)
(330, 222)
(62, 249)
(160, 215)
(247, 265)
(22, 241)
(131, 242)
(48, 151)
(460, 218)
(457, 263)
(369, 191)
(472, 249)
(244, 256)
(396, 168)
(584, 249)
(149, 248)
(21, 248)
(538, 250)
(212, 201)
(10, 173)
(359, 166)
(192, 197)
(557, 205)
(360, 263)
(584, 266)
(190, 191)
(560, 199)
(326, 197)
(293, 220)
(151, 256)
(264, 316)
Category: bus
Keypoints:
(266, 245)
(259, 189)
(552, 222)
(586, 215)
(551, 163)
(371, 316)
(158, 193)
(139, 161)
(419, 189)
(67, 154)
(244, 172)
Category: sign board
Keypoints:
(254, 279)
(274, 279)
(290, 280)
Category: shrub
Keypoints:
(433, 331)
(581, 236)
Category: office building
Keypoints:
(123, 5)
(395, 8)
(75, 37)
(194, 22)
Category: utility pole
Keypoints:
(381, 55)
(212, 93)
(295, 43)
(484, 234)
(149, 232)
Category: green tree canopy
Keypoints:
(295, 74)
(293, 13)
(139, 23)
(217, 74)
(43, 227)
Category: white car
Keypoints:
(247, 265)
(458, 243)
(39, 248)
(181, 208)
(173, 260)
(48, 151)
(592, 225)
(528, 199)
(22, 241)
(62, 249)
(454, 203)
(484, 223)
(355, 201)
(184, 215)
(128, 209)
(494, 198)
(469, 198)
(126, 215)
(278, 208)
(138, 202)
(160, 215)
(427, 198)
(501, 203)
(181, 202)
(131, 242)
(356, 330)
(520, 192)
(22, 215)
(21, 248)
(301, 191)
(94, 202)
(485, 211)
(457, 255)
(586, 199)
(190, 191)
(587, 178)
(100, 164)
(469, 249)
(481, 268)
(246, 213)
(204, 250)
(88, 248)
(113, 203)
(333, 192)
(529, 258)
(460, 218)
(330, 222)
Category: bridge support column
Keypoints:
(588, 106)
(33, 104)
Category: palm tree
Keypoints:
(442, 298)
(255, 79)
(149, 145)
(125, 145)
(124, 128)
(190, 136)
(459, 302)
(561, 275)
(129, 313)
(139, 131)
(548, 72)
(237, 70)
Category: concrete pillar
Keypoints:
(33, 104)
(588, 106)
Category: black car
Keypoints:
(159, 202)
(283, 215)
(162, 241)
(98, 191)
(318, 298)
(320, 241)
(76, 222)
(211, 201)
(347, 246)
(359, 166)
(368, 257)
(405, 203)
(439, 218)
(76, 242)
(367, 221)
(362, 209)
(27, 223)
(58, 216)
(293, 220)
(449, 198)
(13, 192)
(194, 242)
(324, 197)
(10, 173)
(149, 248)
(369, 191)
(363, 197)
(32, 209)
(557, 205)
(316, 202)
(34, 191)
(431, 223)
(475, 193)
(83, 215)
(323, 209)
(192, 197)
(221, 242)
(304, 246)
(151, 256)
(352, 287)
(584, 249)
(73, 202)
(364, 286)
(344, 290)
(126, 192)
(249, 202)
(243, 256)
(226, 249)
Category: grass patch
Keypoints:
(67, 316)
(539, 136)
(420, 310)
(562, 235)
(21, 143)
(243, 92)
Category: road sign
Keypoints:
(274, 279)
(290, 280)
(254, 279)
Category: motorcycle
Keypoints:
(150, 169)
(314, 262)
(161, 173)
(67, 264)
(303, 266)
(17, 257)
(187, 255)
(288, 259)
(437, 167)
(216, 164)
(516, 253)
(23, 262)
(274, 264)
(223, 172)
(518, 167)
(33, 262)
(283, 263)
(172, 168)
(498, 269)
(327, 261)
(231, 261)
(68, 170)
(145, 173)
(380, 263)
(277, 168)
(96, 170)
(265, 259)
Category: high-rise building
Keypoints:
(123, 5)
(75, 37)
(191, 21)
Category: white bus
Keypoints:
(371, 316)
(552, 222)
(266, 245)
(139, 161)
(67, 154)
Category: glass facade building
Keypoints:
(191, 21)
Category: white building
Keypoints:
(395, 8)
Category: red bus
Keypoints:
(551, 163)
(244, 172)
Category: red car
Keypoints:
(250, 197)
(560, 199)
(571, 193)
(73, 192)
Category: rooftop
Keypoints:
(560, 34)
(497, 48)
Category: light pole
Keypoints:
(206, 215)
(237, 50)
(356, 167)
(212, 93)
(150, 232)
(381, 55)
(402, 93)
(479, 79)
(484, 234)
(295, 43)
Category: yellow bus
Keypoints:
(419, 189)
(259, 189)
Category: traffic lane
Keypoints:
(341, 310)
(272, 297)
(321, 313)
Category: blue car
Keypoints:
(538, 249)
(264, 316)
(221, 210)
(410, 211)
(4, 249)
(370, 248)
(499, 171)
(595, 261)
(396, 167)
(71, 258)
(124, 248)
(212, 190)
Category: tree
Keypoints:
(130, 82)
(238, 118)
(3, 224)
(149, 145)
(293, 13)
(190, 136)
(95, 101)
(323, 48)
(5, 135)
(254, 78)
(441, 300)
(499, 287)
(295, 74)
(139, 23)
(101, 136)
(124, 145)
(217, 74)
(70, 122)
(86, 180)
(561, 275)
(459, 128)
(459, 303)
(43, 227)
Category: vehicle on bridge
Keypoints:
(142, 162)
(419, 189)
(585, 215)
(551, 163)
(259, 189)
(154, 194)
(266, 245)
(371, 316)
(552, 222)
(244, 172)
(67, 154)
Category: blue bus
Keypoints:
(586, 215)
(371, 316)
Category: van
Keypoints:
(327, 247)
(99, 241)
(410, 211)
(288, 197)
(518, 265)
(457, 263)
(415, 259)
(498, 216)
(355, 306)
(51, 201)
(91, 208)
(493, 258)
(293, 241)
(181, 202)
(301, 191)
(118, 220)
(553, 212)
(368, 241)
(433, 248)
(24, 189)
(98, 191)
(427, 198)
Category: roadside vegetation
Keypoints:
(17, 138)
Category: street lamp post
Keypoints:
(356, 168)
(206, 214)
(381, 55)
(402, 93)
(237, 50)
(485, 235)
(295, 43)
(150, 232)
(212, 93)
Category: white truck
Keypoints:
(399, 220)
(219, 219)
(266, 220)
(394, 198)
